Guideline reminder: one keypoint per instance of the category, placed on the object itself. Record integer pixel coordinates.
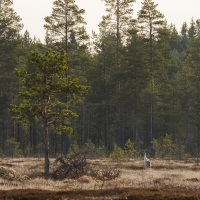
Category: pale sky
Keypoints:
(33, 13)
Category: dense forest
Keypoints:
(142, 78)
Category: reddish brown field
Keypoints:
(166, 179)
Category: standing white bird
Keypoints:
(147, 162)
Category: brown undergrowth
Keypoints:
(167, 179)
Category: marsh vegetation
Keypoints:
(166, 179)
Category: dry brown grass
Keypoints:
(165, 175)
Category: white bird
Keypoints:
(147, 162)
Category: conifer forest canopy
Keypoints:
(136, 82)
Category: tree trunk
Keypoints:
(46, 150)
(151, 136)
(64, 144)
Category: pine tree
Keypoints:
(65, 29)
(150, 20)
(191, 96)
(118, 20)
(136, 76)
(166, 84)
(65, 22)
(10, 26)
(100, 78)
(39, 97)
(198, 27)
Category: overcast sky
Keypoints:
(33, 12)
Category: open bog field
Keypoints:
(22, 178)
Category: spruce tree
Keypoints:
(192, 30)
(184, 37)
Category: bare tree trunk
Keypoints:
(46, 150)
(151, 136)
(118, 38)
(188, 128)
(64, 144)
(136, 139)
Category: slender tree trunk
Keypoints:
(118, 65)
(152, 87)
(105, 103)
(46, 149)
(118, 38)
(188, 125)
(3, 137)
(63, 135)
(152, 120)
(35, 138)
(83, 124)
(136, 131)
(64, 144)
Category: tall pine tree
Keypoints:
(10, 27)
(39, 97)
(149, 22)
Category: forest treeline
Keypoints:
(143, 75)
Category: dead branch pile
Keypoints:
(7, 173)
(77, 166)
(73, 167)
(105, 174)
(10, 174)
